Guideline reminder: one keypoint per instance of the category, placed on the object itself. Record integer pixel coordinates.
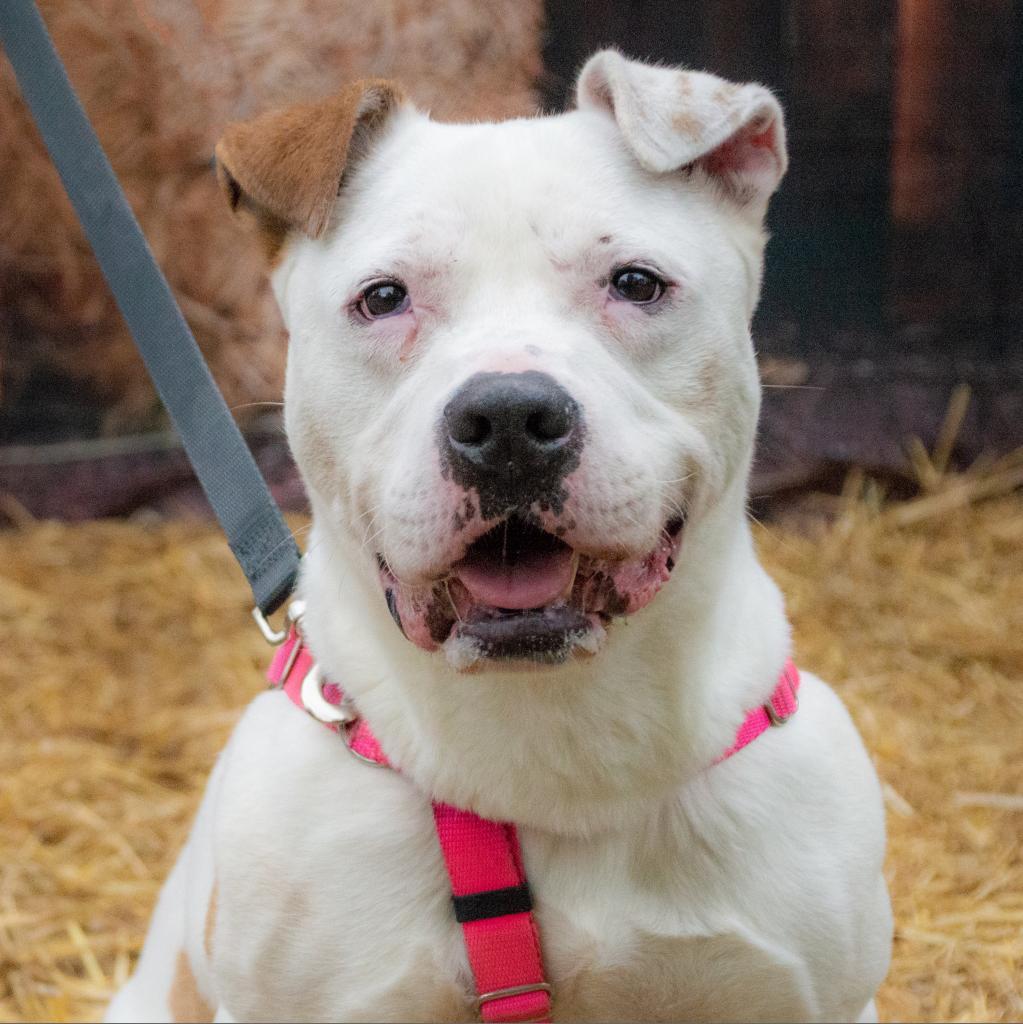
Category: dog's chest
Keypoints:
(333, 903)
(392, 952)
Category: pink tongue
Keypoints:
(533, 581)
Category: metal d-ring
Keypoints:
(318, 706)
(347, 737)
(343, 715)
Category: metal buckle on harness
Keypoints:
(515, 990)
(343, 715)
(777, 719)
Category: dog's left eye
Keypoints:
(634, 284)
(384, 298)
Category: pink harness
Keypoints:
(488, 883)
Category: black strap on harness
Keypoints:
(255, 529)
(478, 906)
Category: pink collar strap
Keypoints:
(489, 889)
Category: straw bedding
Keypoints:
(129, 652)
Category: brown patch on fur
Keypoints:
(725, 94)
(186, 1002)
(687, 123)
(211, 923)
(706, 391)
(286, 165)
(271, 235)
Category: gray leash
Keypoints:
(255, 529)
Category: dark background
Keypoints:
(894, 269)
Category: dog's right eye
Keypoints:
(637, 285)
(383, 298)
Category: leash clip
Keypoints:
(275, 637)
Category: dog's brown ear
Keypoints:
(672, 119)
(286, 166)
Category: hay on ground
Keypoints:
(129, 652)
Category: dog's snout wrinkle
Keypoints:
(513, 437)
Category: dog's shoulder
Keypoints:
(285, 775)
(306, 837)
(814, 767)
(821, 741)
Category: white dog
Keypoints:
(523, 396)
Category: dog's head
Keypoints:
(520, 353)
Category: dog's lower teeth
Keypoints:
(462, 652)
(590, 642)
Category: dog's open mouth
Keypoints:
(520, 592)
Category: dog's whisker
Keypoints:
(292, 536)
(451, 600)
(370, 538)
(676, 480)
(372, 510)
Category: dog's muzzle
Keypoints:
(521, 588)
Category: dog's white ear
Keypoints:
(672, 119)
(286, 166)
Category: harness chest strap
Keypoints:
(489, 889)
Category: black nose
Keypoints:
(515, 435)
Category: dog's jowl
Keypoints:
(523, 396)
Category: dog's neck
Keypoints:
(573, 748)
